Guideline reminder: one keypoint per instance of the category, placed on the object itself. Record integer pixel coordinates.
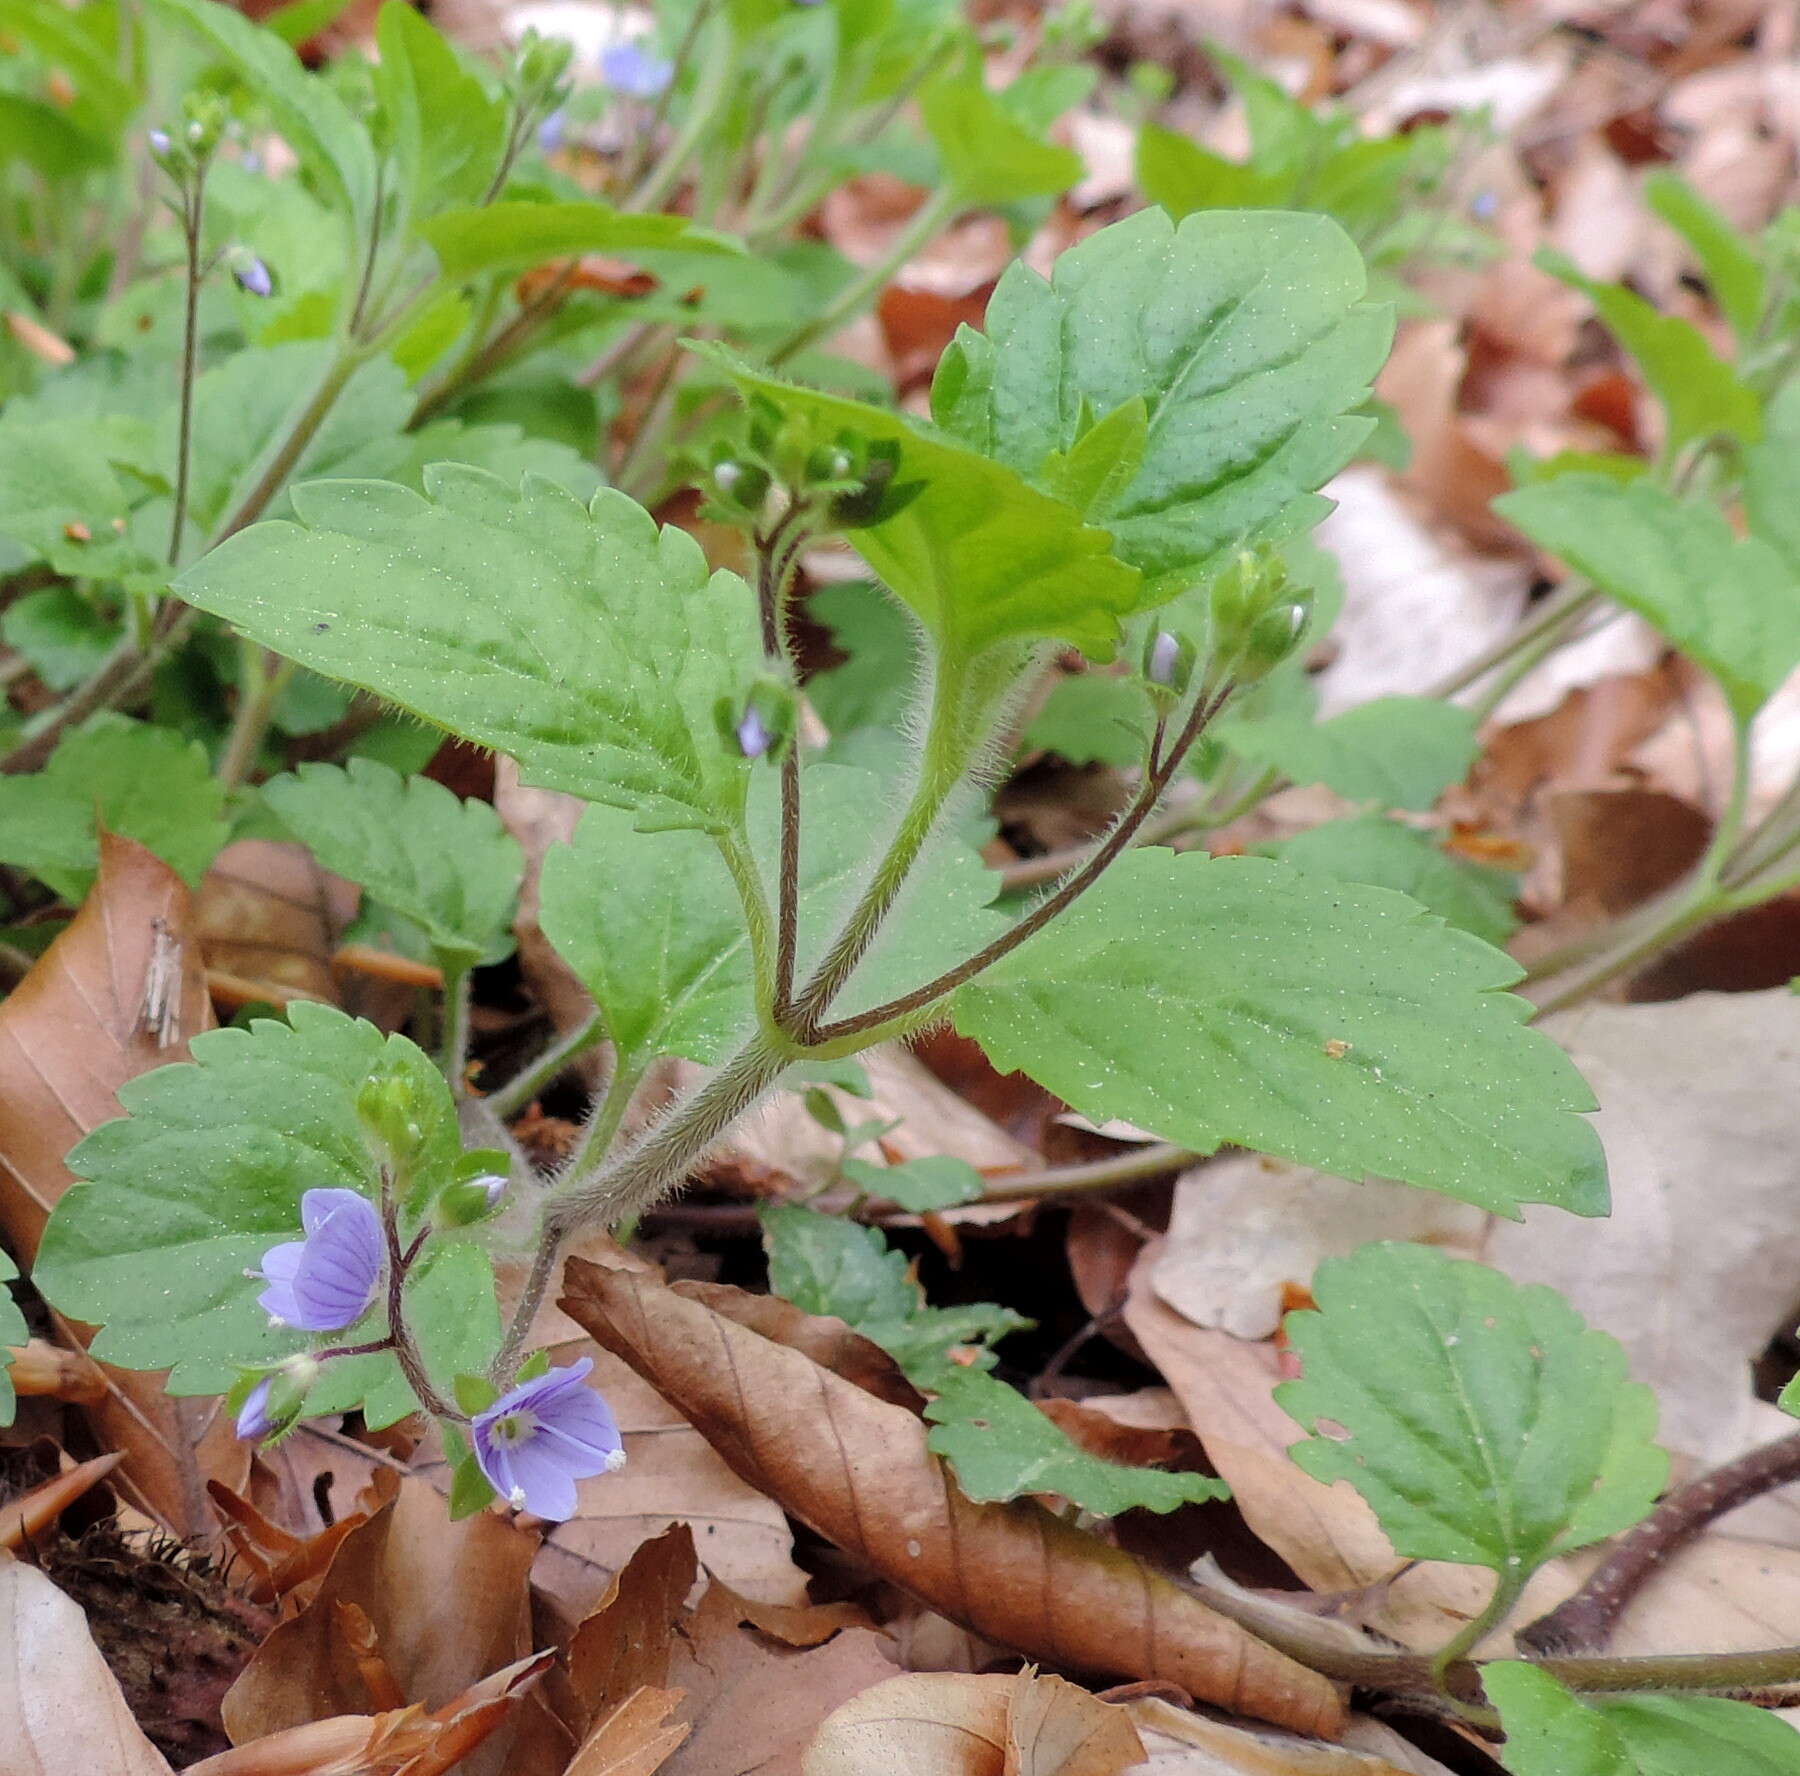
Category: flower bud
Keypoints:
(1272, 638)
(1253, 613)
(1168, 664)
(764, 722)
(469, 1200)
(274, 1402)
(253, 277)
(543, 61)
(388, 1108)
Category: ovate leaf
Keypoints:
(204, 1173)
(1246, 335)
(1485, 1422)
(61, 633)
(448, 128)
(1731, 603)
(932, 1181)
(990, 153)
(978, 556)
(1231, 999)
(513, 237)
(143, 782)
(1700, 393)
(1401, 752)
(591, 646)
(1550, 1732)
(1003, 1447)
(1726, 259)
(447, 864)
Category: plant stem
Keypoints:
(508, 1100)
(849, 302)
(255, 709)
(776, 555)
(193, 210)
(1585, 1620)
(1507, 1587)
(456, 1027)
(711, 95)
(602, 1126)
(1552, 616)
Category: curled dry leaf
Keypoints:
(284, 1564)
(26, 1518)
(1182, 1744)
(858, 1471)
(636, 1739)
(948, 1724)
(71, 1033)
(48, 1370)
(61, 1711)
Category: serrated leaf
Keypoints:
(653, 927)
(588, 644)
(1246, 334)
(1384, 853)
(978, 556)
(505, 238)
(875, 686)
(932, 1181)
(827, 1265)
(188, 1190)
(1550, 1732)
(1727, 262)
(1401, 752)
(1091, 719)
(315, 122)
(144, 782)
(990, 154)
(1730, 602)
(1232, 999)
(13, 1331)
(1701, 395)
(1485, 1422)
(1003, 1447)
(447, 864)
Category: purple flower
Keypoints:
(1165, 658)
(629, 70)
(253, 276)
(753, 735)
(327, 1280)
(254, 1419)
(159, 141)
(534, 1443)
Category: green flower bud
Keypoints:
(387, 1106)
(1251, 609)
(764, 722)
(1273, 636)
(206, 120)
(542, 61)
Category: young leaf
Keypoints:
(1727, 601)
(827, 1265)
(204, 1173)
(446, 864)
(591, 646)
(1550, 1732)
(978, 556)
(990, 154)
(1003, 1447)
(505, 238)
(932, 1181)
(1700, 393)
(1485, 1422)
(1232, 999)
(652, 925)
(1177, 173)
(1386, 854)
(1248, 339)
(1726, 260)
(1401, 752)
(144, 782)
(13, 1331)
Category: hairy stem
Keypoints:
(456, 1028)
(1583, 1621)
(512, 1097)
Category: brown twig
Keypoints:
(1584, 1621)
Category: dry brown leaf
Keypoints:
(858, 1471)
(623, 1647)
(71, 1033)
(448, 1601)
(268, 917)
(47, 1370)
(24, 1518)
(1182, 1744)
(948, 1724)
(61, 1711)
(636, 1739)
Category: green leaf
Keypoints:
(1729, 265)
(978, 556)
(188, 1190)
(448, 129)
(990, 154)
(1402, 752)
(36, 134)
(1248, 337)
(13, 1331)
(1183, 177)
(56, 482)
(60, 633)
(446, 864)
(1700, 393)
(874, 687)
(1386, 854)
(932, 1181)
(1772, 497)
(1091, 719)
(144, 782)
(1485, 1422)
(1728, 602)
(588, 644)
(312, 119)
(1232, 999)
(1002, 1447)
(653, 927)
(505, 238)
(827, 1265)
(1550, 1732)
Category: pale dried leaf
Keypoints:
(636, 1739)
(1180, 1743)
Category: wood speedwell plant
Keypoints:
(1123, 466)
